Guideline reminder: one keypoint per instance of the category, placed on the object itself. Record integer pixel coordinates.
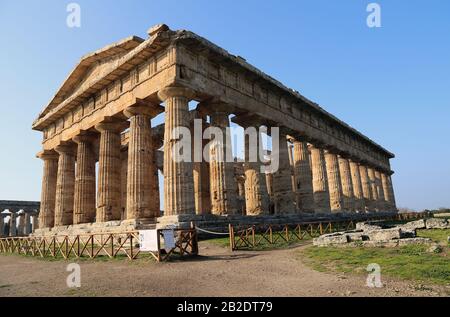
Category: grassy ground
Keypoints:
(409, 262)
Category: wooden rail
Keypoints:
(259, 235)
(93, 246)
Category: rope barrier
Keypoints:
(212, 232)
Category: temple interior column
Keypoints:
(108, 193)
(347, 184)
(27, 229)
(303, 177)
(141, 188)
(334, 182)
(283, 195)
(178, 176)
(320, 180)
(367, 188)
(48, 193)
(2, 225)
(65, 185)
(256, 196)
(84, 200)
(291, 164)
(357, 187)
(20, 223)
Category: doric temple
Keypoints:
(101, 155)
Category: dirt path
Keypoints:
(217, 273)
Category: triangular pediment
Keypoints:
(92, 67)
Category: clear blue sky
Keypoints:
(391, 83)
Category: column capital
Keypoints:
(66, 148)
(47, 155)
(143, 107)
(113, 125)
(169, 92)
(88, 137)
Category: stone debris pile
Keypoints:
(374, 234)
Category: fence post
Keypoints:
(194, 239)
(231, 235)
(253, 236)
(321, 228)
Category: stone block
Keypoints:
(384, 235)
(437, 223)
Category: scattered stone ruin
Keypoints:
(100, 119)
(376, 234)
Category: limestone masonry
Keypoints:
(100, 119)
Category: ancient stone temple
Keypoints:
(101, 155)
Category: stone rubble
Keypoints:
(374, 234)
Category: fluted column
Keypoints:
(303, 177)
(178, 176)
(320, 180)
(12, 225)
(84, 204)
(223, 186)
(123, 183)
(65, 185)
(381, 200)
(334, 182)
(283, 196)
(389, 200)
(256, 195)
(27, 229)
(2, 226)
(391, 192)
(366, 187)
(108, 192)
(347, 184)
(373, 188)
(48, 193)
(357, 187)
(141, 200)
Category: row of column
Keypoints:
(21, 224)
(323, 180)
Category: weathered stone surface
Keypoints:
(303, 177)
(413, 225)
(384, 234)
(367, 227)
(65, 185)
(320, 181)
(437, 223)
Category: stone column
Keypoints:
(256, 195)
(366, 187)
(291, 164)
(27, 229)
(373, 188)
(12, 224)
(391, 191)
(357, 187)
(2, 226)
(283, 195)
(387, 192)
(65, 185)
(34, 223)
(108, 192)
(20, 224)
(223, 185)
(334, 182)
(201, 173)
(141, 196)
(347, 184)
(320, 181)
(48, 193)
(123, 183)
(303, 177)
(84, 205)
(178, 177)
(381, 200)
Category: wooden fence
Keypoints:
(263, 235)
(110, 245)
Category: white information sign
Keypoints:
(169, 239)
(148, 240)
